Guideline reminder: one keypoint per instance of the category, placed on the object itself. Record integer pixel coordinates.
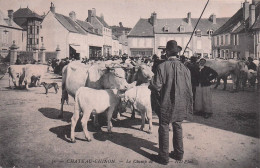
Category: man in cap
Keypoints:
(172, 84)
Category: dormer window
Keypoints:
(210, 32)
(181, 28)
(166, 28)
(198, 33)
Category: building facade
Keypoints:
(30, 22)
(10, 32)
(149, 36)
(76, 38)
(235, 39)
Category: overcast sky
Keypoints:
(128, 11)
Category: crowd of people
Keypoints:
(177, 89)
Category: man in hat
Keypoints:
(172, 85)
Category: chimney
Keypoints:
(189, 18)
(72, 15)
(93, 12)
(10, 14)
(245, 10)
(102, 16)
(153, 18)
(121, 24)
(52, 8)
(251, 15)
(89, 16)
(213, 18)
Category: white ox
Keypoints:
(224, 68)
(139, 97)
(97, 76)
(15, 72)
(24, 73)
(33, 70)
(88, 100)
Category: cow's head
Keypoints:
(145, 73)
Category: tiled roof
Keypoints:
(114, 37)
(231, 23)
(205, 24)
(173, 25)
(257, 23)
(26, 12)
(6, 23)
(69, 24)
(86, 26)
(142, 29)
(241, 28)
(103, 22)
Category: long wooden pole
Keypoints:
(195, 27)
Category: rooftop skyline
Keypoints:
(128, 11)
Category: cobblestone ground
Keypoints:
(33, 136)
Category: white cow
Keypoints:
(95, 101)
(139, 97)
(33, 70)
(15, 73)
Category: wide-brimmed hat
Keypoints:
(173, 47)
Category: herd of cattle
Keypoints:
(111, 85)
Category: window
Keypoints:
(221, 40)
(198, 33)
(30, 40)
(31, 30)
(37, 29)
(181, 28)
(226, 39)
(166, 28)
(217, 40)
(210, 32)
(236, 39)
(37, 41)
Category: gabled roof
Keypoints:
(114, 37)
(26, 12)
(69, 24)
(7, 23)
(205, 24)
(256, 25)
(142, 29)
(231, 23)
(103, 22)
(86, 26)
(173, 25)
(241, 28)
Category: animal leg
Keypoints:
(143, 121)
(109, 117)
(150, 117)
(96, 123)
(84, 122)
(63, 97)
(74, 120)
(133, 112)
(225, 83)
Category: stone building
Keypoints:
(149, 36)
(30, 22)
(9, 32)
(235, 39)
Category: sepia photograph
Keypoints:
(129, 83)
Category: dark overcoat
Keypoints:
(172, 83)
